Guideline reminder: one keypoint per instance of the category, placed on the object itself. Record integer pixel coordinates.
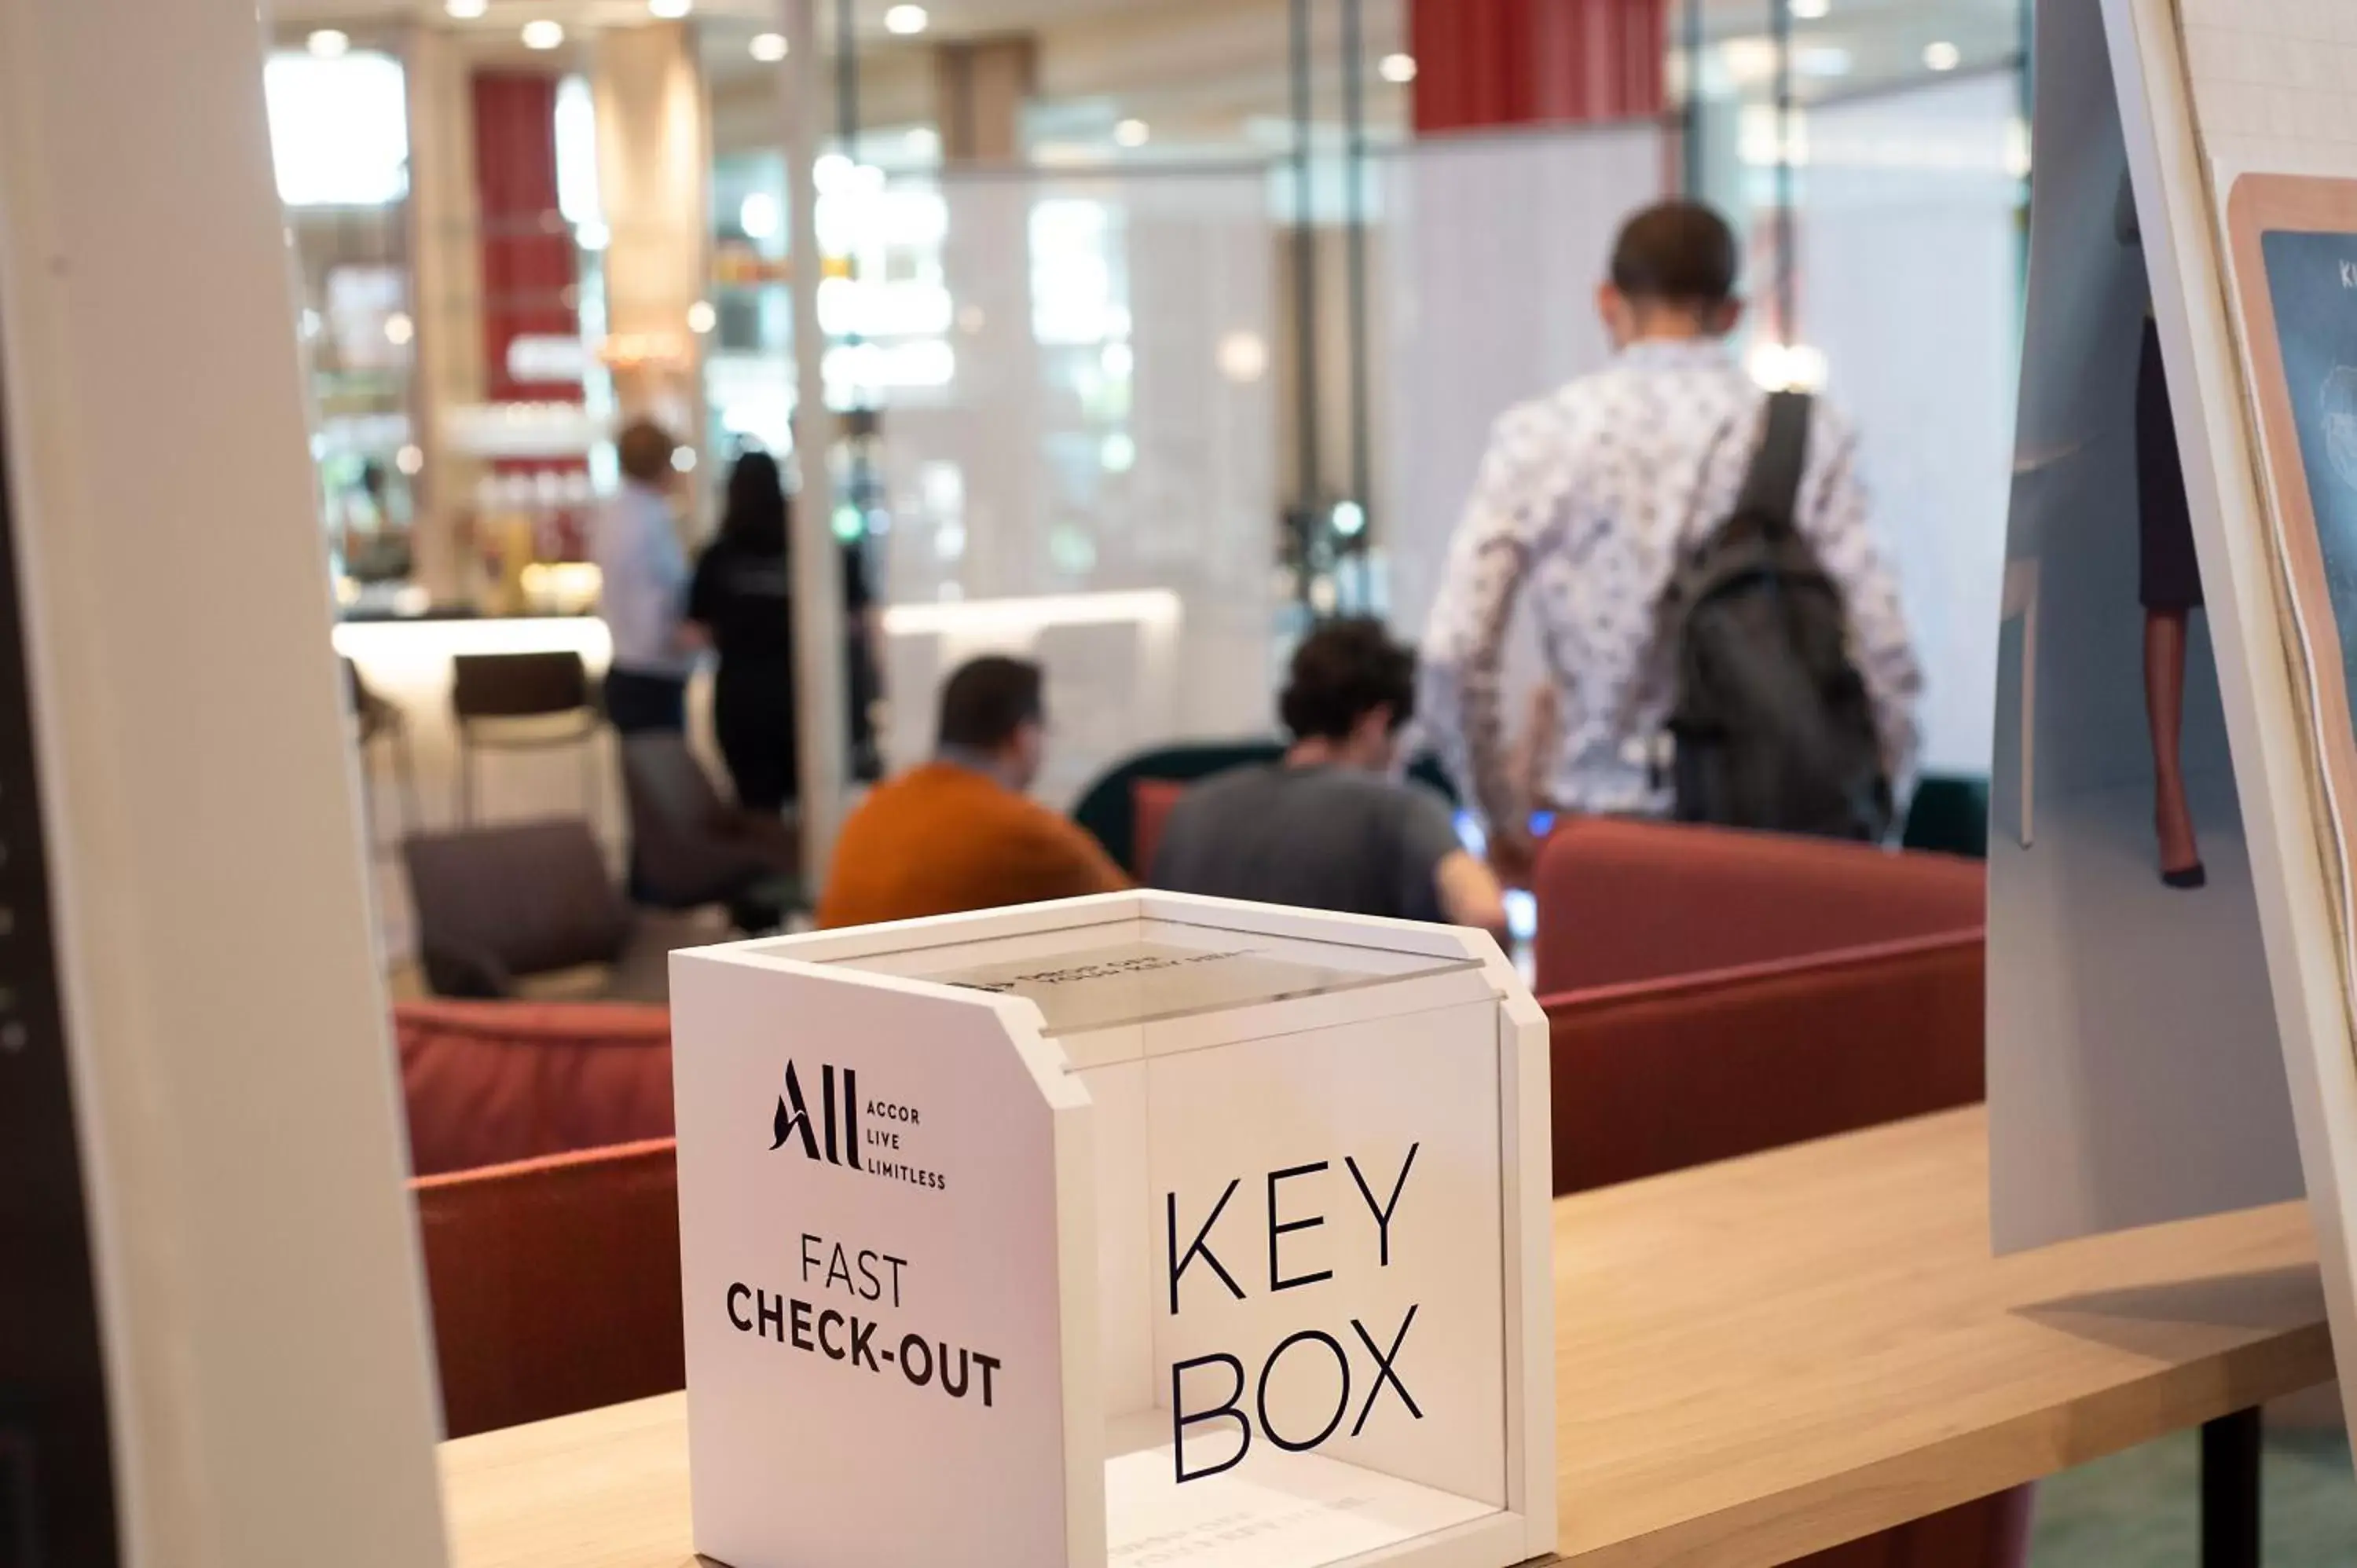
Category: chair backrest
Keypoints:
(1949, 815)
(692, 847)
(516, 899)
(1620, 901)
(1665, 1074)
(489, 1082)
(554, 1285)
(1152, 801)
(1108, 808)
(518, 685)
(668, 789)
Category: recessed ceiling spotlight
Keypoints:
(907, 20)
(543, 34)
(769, 47)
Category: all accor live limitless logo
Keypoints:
(836, 1139)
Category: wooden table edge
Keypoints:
(1836, 1509)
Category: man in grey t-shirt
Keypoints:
(1329, 828)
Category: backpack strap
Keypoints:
(1772, 490)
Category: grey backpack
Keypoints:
(1771, 723)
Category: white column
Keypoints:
(818, 601)
(446, 296)
(654, 173)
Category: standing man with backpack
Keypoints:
(1724, 641)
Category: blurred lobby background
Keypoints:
(1157, 329)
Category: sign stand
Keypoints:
(1138, 1230)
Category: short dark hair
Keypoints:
(1344, 671)
(644, 451)
(1676, 252)
(986, 699)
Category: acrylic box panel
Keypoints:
(1286, 1301)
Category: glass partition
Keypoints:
(1085, 468)
(1909, 253)
(340, 146)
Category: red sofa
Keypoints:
(554, 1284)
(490, 1082)
(1713, 993)
(1621, 901)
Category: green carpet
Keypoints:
(2140, 1510)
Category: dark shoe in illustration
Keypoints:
(2180, 849)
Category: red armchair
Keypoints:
(554, 1285)
(488, 1083)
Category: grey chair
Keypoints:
(522, 702)
(498, 905)
(692, 849)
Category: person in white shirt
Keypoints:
(1589, 498)
(643, 595)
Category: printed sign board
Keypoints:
(2134, 1072)
(2244, 153)
(1132, 1230)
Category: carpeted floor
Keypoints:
(2139, 1510)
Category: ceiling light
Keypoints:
(757, 215)
(1942, 55)
(907, 20)
(1131, 132)
(1244, 357)
(543, 34)
(1401, 69)
(1811, 10)
(670, 10)
(1821, 60)
(769, 47)
(701, 317)
(465, 10)
(399, 329)
(410, 460)
(327, 43)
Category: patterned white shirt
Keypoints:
(1591, 496)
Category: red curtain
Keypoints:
(1514, 62)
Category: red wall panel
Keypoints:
(527, 254)
(1514, 62)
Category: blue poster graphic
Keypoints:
(2312, 282)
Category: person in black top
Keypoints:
(743, 596)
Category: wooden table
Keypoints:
(1756, 1360)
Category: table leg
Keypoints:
(2229, 1491)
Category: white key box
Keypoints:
(1116, 1233)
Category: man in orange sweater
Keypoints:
(959, 832)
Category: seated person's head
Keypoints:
(993, 708)
(1674, 269)
(644, 451)
(1350, 692)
